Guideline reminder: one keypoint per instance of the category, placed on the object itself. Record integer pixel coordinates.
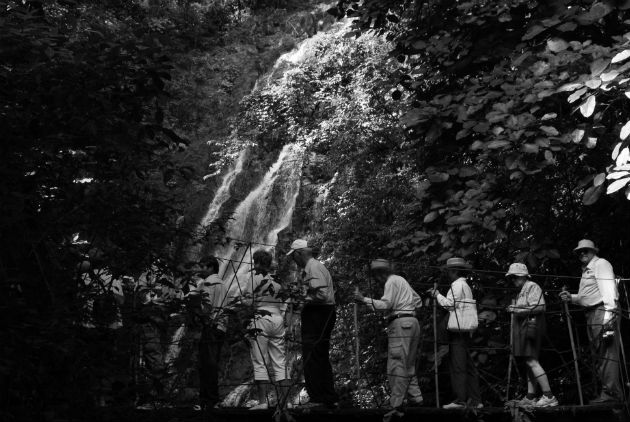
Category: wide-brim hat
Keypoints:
(586, 244)
(380, 264)
(455, 263)
(517, 269)
(297, 245)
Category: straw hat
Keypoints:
(297, 245)
(380, 264)
(586, 244)
(517, 269)
(453, 263)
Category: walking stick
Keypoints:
(575, 361)
(510, 356)
(435, 350)
(355, 310)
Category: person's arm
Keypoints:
(605, 277)
(535, 302)
(453, 296)
(385, 302)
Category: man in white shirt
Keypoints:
(318, 321)
(400, 302)
(213, 294)
(598, 295)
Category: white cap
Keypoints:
(380, 264)
(297, 245)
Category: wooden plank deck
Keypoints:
(423, 414)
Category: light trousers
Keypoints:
(402, 347)
(605, 353)
(267, 346)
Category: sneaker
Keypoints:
(545, 401)
(251, 403)
(260, 406)
(454, 405)
(603, 399)
(527, 402)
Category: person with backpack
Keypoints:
(461, 323)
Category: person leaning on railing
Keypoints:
(318, 321)
(462, 321)
(528, 329)
(598, 295)
(403, 332)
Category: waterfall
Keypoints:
(214, 209)
(259, 218)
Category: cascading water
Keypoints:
(265, 212)
(214, 209)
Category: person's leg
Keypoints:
(472, 376)
(532, 382)
(309, 338)
(458, 362)
(539, 375)
(215, 345)
(413, 389)
(328, 381)
(258, 343)
(396, 373)
(277, 348)
(606, 352)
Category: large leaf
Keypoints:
(557, 45)
(497, 144)
(592, 194)
(625, 131)
(619, 57)
(617, 184)
(588, 107)
(577, 135)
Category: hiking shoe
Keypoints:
(527, 402)
(545, 401)
(251, 403)
(603, 399)
(454, 405)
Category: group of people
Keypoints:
(597, 294)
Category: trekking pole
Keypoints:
(435, 350)
(575, 360)
(355, 311)
(510, 360)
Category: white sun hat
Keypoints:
(586, 244)
(517, 269)
(297, 245)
